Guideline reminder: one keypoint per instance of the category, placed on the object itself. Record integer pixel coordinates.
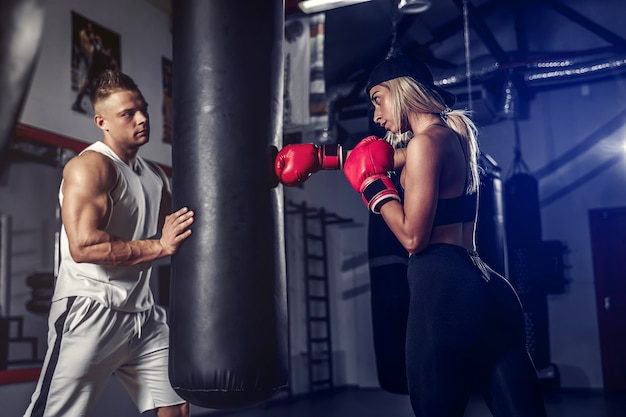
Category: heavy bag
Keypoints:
(522, 210)
(490, 231)
(22, 23)
(524, 245)
(228, 310)
(389, 302)
(523, 233)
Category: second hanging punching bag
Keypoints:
(490, 231)
(389, 301)
(22, 24)
(228, 315)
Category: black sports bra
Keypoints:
(451, 210)
(456, 210)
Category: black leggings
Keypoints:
(465, 335)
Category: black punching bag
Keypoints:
(228, 310)
(490, 230)
(389, 302)
(21, 27)
(524, 244)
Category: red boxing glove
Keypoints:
(295, 163)
(366, 169)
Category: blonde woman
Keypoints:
(465, 328)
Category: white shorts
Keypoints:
(88, 342)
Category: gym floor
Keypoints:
(377, 403)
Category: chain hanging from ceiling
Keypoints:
(395, 18)
(468, 68)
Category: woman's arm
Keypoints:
(412, 221)
(399, 158)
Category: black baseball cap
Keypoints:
(404, 65)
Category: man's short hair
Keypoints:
(108, 82)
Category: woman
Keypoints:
(465, 331)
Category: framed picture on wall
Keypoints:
(94, 49)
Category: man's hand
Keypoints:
(176, 230)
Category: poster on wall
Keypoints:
(94, 49)
(305, 100)
(297, 53)
(166, 71)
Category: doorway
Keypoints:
(608, 243)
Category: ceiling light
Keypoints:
(314, 6)
(414, 6)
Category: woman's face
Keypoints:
(383, 115)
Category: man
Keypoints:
(103, 319)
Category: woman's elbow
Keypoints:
(413, 244)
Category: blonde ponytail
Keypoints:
(410, 96)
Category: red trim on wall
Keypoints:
(34, 134)
(15, 376)
(291, 6)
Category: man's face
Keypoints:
(123, 116)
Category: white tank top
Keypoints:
(136, 201)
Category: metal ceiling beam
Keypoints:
(519, 13)
(406, 21)
(483, 32)
(452, 28)
(408, 44)
(585, 22)
(487, 37)
(582, 146)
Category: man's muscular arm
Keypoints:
(87, 182)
